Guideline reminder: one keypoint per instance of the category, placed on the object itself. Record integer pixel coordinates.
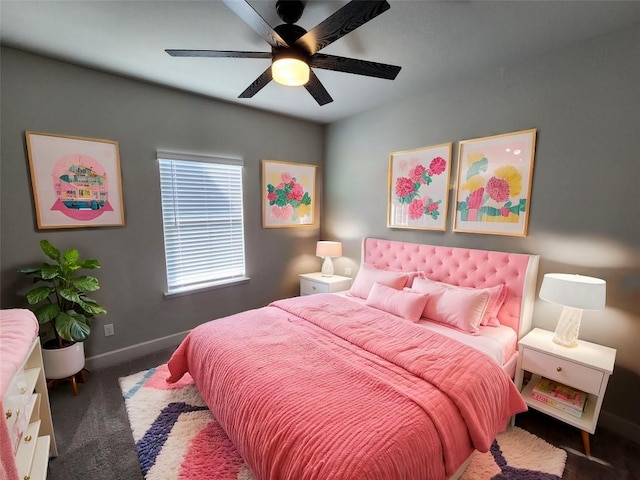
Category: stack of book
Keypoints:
(560, 396)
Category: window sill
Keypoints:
(206, 287)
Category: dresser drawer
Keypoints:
(16, 406)
(308, 287)
(563, 371)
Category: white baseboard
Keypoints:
(620, 426)
(132, 352)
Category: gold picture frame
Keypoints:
(76, 181)
(419, 188)
(493, 188)
(288, 194)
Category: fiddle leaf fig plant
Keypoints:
(60, 295)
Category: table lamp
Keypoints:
(575, 293)
(327, 250)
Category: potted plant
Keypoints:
(59, 299)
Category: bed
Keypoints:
(363, 384)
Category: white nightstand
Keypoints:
(586, 367)
(311, 283)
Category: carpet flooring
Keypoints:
(95, 441)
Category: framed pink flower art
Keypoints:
(288, 194)
(493, 193)
(419, 188)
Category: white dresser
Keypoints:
(28, 417)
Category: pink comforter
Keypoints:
(319, 387)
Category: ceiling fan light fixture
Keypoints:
(295, 50)
(289, 71)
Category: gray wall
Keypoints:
(585, 213)
(584, 216)
(44, 95)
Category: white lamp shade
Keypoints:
(291, 72)
(576, 291)
(329, 249)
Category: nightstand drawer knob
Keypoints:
(559, 369)
(8, 414)
(27, 438)
(313, 288)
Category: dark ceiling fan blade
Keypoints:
(256, 22)
(317, 90)
(218, 54)
(345, 20)
(258, 84)
(354, 65)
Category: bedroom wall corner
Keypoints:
(583, 101)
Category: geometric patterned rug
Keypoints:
(517, 455)
(177, 438)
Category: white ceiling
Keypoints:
(433, 42)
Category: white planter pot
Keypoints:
(63, 362)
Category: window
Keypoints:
(203, 221)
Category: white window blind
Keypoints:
(203, 220)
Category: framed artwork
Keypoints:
(288, 194)
(493, 193)
(419, 188)
(76, 181)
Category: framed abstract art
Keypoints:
(419, 188)
(288, 194)
(76, 181)
(493, 190)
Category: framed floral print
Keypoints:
(76, 181)
(288, 194)
(493, 192)
(419, 188)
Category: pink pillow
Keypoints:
(368, 275)
(405, 304)
(460, 308)
(410, 275)
(497, 296)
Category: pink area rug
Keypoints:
(177, 438)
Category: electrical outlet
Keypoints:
(347, 271)
(108, 330)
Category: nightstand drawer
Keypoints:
(308, 287)
(563, 371)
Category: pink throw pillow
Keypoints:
(368, 275)
(410, 275)
(497, 296)
(405, 304)
(459, 308)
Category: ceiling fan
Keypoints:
(294, 50)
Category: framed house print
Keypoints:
(288, 194)
(493, 193)
(419, 188)
(76, 181)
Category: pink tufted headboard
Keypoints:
(467, 268)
